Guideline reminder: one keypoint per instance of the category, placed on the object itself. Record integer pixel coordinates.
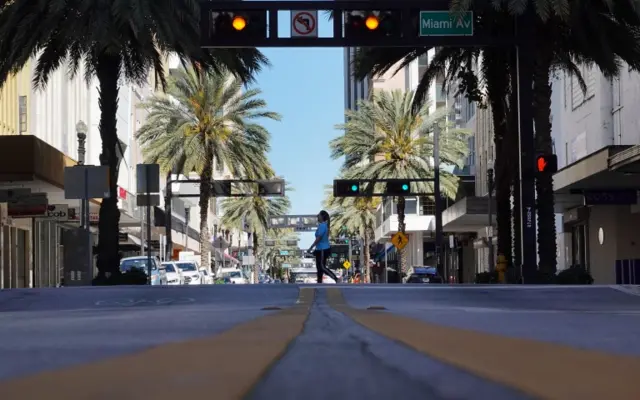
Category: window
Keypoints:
(427, 206)
(22, 110)
(579, 97)
(410, 205)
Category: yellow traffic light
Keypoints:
(372, 22)
(239, 23)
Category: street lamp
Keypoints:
(81, 133)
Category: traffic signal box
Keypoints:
(353, 188)
(546, 164)
(245, 24)
(398, 188)
(372, 24)
(346, 188)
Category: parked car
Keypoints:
(207, 278)
(191, 273)
(424, 275)
(158, 275)
(235, 275)
(174, 274)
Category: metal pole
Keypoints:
(81, 132)
(142, 210)
(492, 263)
(437, 195)
(350, 256)
(386, 265)
(168, 193)
(250, 254)
(148, 196)
(88, 222)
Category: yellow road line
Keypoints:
(224, 366)
(544, 370)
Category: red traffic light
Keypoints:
(546, 163)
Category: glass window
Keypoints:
(169, 268)
(185, 266)
(128, 265)
(411, 205)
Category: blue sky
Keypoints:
(306, 86)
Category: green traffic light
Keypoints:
(354, 188)
(405, 187)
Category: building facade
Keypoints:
(420, 211)
(597, 141)
(354, 90)
(38, 140)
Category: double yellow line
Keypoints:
(227, 366)
(541, 369)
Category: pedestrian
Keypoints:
(322, 246)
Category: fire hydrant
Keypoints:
(501, 267)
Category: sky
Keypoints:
(306, 86)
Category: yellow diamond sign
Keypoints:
(399, 240)
(346, 265)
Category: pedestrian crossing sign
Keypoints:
(346, 265)
(400, 240)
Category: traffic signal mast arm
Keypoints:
(390, 23)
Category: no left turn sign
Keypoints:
(304, 23)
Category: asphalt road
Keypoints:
(325, 341)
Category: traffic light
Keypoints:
(220, 188)
(274, 187)
(346, 188)
(546, 164)
(398, 187)
(372, 24)
(239, 24)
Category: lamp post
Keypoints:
(81, 132)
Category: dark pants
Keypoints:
(321, 265)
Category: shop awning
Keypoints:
(388, 250)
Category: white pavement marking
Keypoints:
(633, 290)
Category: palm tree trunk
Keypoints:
(205, 195)
(401, 228)
(512, 146)
(497, 84)
(547, 248)
(108, 73)
(256, 266)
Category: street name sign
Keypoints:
(446, 23)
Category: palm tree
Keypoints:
(563, 41)
(253, 211)
(206, 120)
(386, 138)
(114, 42)
(354, 215)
